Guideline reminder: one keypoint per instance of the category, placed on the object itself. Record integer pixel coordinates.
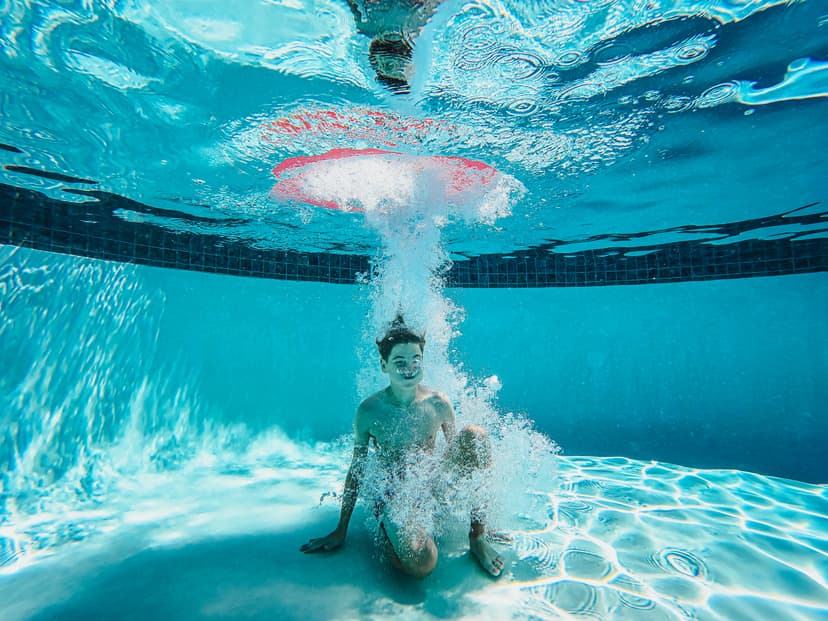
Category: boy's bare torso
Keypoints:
(397, 429)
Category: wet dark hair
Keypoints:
(398, 333)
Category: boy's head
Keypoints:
(398, 333)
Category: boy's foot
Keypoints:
(499, 536)
(486, 555)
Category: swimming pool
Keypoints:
(641, 283)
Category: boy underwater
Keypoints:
(402, 419)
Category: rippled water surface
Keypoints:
(617, 116)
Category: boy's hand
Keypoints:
(324, 544)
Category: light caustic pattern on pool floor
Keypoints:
(630, 540)
(614, 540)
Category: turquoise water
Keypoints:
(180, 475)
(168, 439)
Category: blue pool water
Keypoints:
(170, 437)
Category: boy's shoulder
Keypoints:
(372, 403)
(438, 401)
(368, 412)
(434, 395)
(378, 400)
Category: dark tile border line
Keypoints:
(91, 229)
(676, 262)
(33, 220)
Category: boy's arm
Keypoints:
(351, 491)
(349, 495)
(448, 424)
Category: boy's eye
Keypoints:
(401, 364)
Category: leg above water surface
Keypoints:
(393, 26)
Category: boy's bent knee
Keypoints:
(474, 447)
(421, 563)
(471, 433)
(416, 558)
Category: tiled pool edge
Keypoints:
(91, 229)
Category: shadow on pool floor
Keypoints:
(261, 576)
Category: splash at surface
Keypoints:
(375, 179)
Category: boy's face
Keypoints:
(404, 365)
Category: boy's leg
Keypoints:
(415, 556)
(472, 452)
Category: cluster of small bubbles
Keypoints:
(676, 561)
(611, 53)
(569, 59)
(474, 60)
(691, 52)
(522, 107)
(676, 103)
(406, 278)
(523, 460)
(717, 95)
(479, 37)
(407, 495)
(636, 602)
(519, 65)
(574, 598)
(305, 214)
(578, 92)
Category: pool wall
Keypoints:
(721, 374)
